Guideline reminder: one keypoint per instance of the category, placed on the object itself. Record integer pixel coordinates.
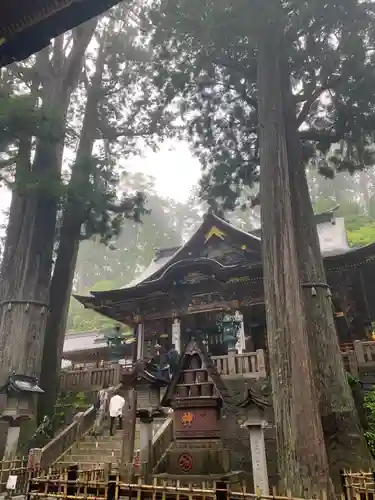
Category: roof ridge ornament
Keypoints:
(214, 231)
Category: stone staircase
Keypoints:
(93, 452)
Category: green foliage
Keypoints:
(369, 405)
(362, 236)
(205, 61)
(67, 405)
(104, 267)
(352, 381)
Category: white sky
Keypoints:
(174, 168)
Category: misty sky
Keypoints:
(175, 170)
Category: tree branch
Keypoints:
(318, 136)
(302, 115)
(73, 63)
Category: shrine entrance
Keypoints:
(212, 331)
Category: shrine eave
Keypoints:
(159, 287)
(355, 257)
(164, 261)
(27, 26)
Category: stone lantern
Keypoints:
(20, 391)
(147, 385)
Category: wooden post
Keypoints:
(130, 417)
(117, 374)
(140, 334)
(128, 437)
(145, 439)
(353, 363)
(261, 362)
(176, 335)
(241, 333)
(359, 352)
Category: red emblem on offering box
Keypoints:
(185, 462)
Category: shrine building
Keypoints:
(216, 278)
(27, 26)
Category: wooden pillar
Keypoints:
(359, 352)
(176, 334)
(241, 344)
(261, 362)
(145, 445)
(128, 437)
(140, 335)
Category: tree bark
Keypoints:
(27, 264)
(345, 442)
(67, 253)
(302, 459)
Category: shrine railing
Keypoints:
(246, 365)
(90, 378)
(365, 352)
(43, 458)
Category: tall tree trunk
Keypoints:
(302, 459)
(345, 442)
(27, 264)
(67, 253)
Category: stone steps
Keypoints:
(95, 451)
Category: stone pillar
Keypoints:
(145, 445)
(11, 443)
(241, 344)
(176, 334)
(140, 341)
(259, 459)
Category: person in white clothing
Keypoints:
(116, 406)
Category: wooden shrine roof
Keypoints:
(217, 251)
(27, 26)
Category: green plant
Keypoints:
(352, 381)
(67, 405)
(369, 405)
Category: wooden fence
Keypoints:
(232, 365)
(16, 467)
(246, 365)
(112, 488)
(101, 484)
(90, 379)
(358, 356)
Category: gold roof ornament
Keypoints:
(214, 231)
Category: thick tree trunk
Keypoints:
(67, 253)
(302, 458)
(27, 264)
(346, 445)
